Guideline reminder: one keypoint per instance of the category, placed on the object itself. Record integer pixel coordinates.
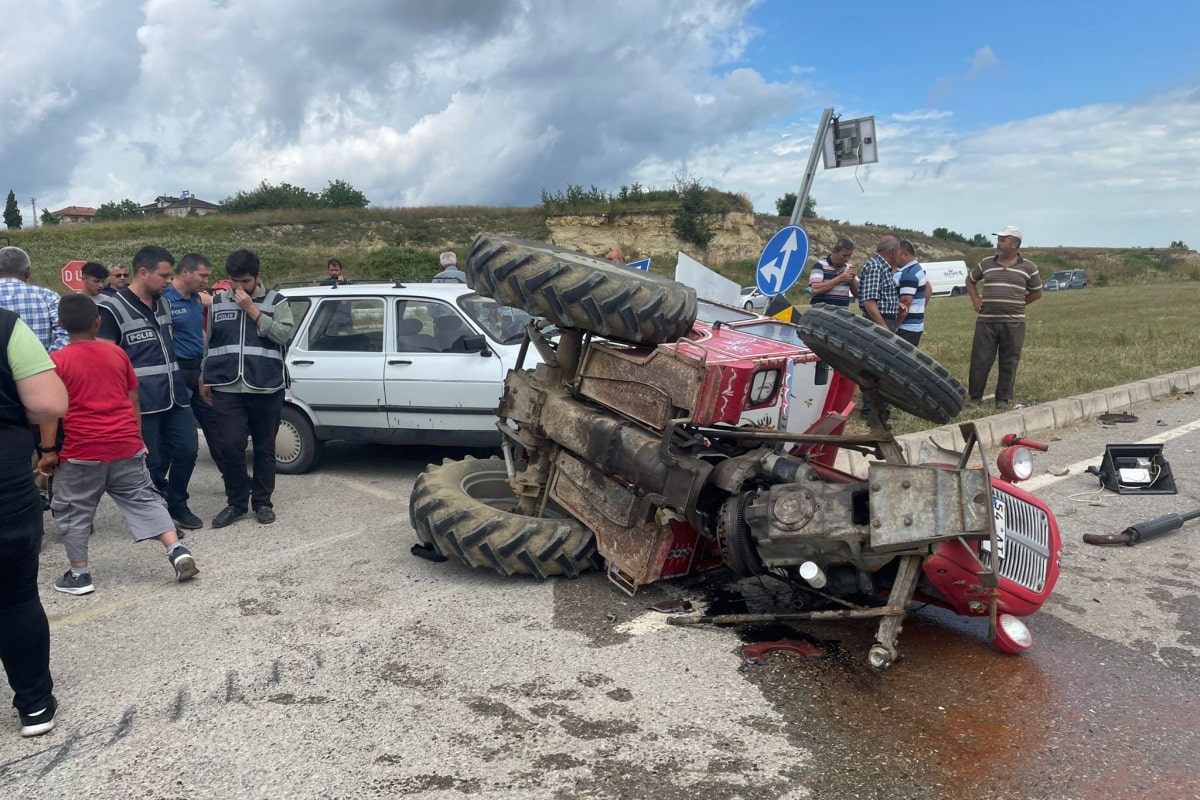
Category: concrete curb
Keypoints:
(1038, 419)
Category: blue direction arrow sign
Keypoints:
(782, 260)
(643, 265)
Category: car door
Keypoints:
(336, 364)
(434, 391)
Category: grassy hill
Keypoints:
(404, 242)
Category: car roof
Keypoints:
(444, 291)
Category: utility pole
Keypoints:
(33, 202)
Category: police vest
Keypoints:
(151, 350)
(237, 350)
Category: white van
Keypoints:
(948, 278)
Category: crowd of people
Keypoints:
(893, 291)
(104, 389)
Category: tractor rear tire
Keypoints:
(464, 508)
(873, 356)
(574, 290)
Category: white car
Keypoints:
(419, 363)
(754, 300)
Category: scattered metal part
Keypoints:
(1117, 417)
(611, 617)
(673, 606)
(1143, 530)
(755, 653)
(1058, 472)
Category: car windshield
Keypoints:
(715, 312)
(1061, 276)
(505, 325)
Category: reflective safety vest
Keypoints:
(237, 350)
(151, 350)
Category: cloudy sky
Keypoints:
(1080, 122)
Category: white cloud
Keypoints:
(922, 116)
(1102, 175)
(983, 64)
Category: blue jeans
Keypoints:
(171, 442)
(24, 631)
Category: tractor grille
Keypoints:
(1027, 543)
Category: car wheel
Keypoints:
(957, 290)
(873, 356)
(749, 306)
(574, 290)
(297, 449)
(465, 509)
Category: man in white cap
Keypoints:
(450, 272)
(1010, 283)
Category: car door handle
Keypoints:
(302, 362)
(398, 361)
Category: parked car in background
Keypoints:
(1067, 279)
(396, 363)
(753, 299)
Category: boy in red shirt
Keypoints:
(102, 450)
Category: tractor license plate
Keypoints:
(998, 512)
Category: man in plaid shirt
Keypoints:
(37, 306)
(878, 295)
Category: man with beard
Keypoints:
(138, 320)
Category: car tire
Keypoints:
(297, 448)
(574, 290)
(749, 306)
(873, 356)
(957, 290)
(464, 509)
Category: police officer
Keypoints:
(243, 379)
(138, 320)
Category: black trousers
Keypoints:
(201, 410)
(24, 630)
(239, 416)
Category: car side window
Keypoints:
(352, 325)
(429, 326)
(299, 307)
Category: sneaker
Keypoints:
(265, 515)
(184, 518)
(39, 722)
(185, 566)
(70, 583)
(228, 516)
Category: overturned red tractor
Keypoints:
(655, 446)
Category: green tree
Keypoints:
(690, 224)
(48, 218)
(113, 211)
(1179, 245)
(268, 198)
(785, 204)
(980, 240)
(339, 194)
(12, 214)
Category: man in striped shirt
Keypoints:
(1010, 282)
(833, 279)
(914, 291)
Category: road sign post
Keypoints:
(72, 277)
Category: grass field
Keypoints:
(1076, 341)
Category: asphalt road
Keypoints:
(317, 658)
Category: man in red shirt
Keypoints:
(102, 449)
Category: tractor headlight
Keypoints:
(763, 386)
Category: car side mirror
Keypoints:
(474, 343)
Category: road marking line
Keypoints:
(1080, 467)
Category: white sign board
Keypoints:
(708, 284)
